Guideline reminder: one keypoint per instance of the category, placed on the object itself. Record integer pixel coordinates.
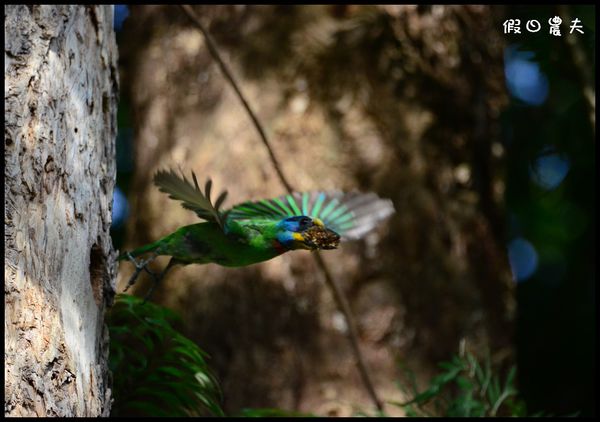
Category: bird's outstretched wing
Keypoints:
(351, 215)
(179, 188)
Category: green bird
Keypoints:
(253, 232)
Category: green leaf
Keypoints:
(466, 388)
(156, 370)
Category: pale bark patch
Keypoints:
(60, 67)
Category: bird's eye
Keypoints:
(305, 222)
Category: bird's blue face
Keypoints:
(302, 232)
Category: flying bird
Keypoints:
(256, 231)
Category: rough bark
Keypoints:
(60, 127)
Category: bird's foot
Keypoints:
(139, 267)
(156, 279)
(150, 291)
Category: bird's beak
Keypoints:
(298, 237)
(302, 241)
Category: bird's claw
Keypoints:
(143, 266)
(139, 267)
(156, 278)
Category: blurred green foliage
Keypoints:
(156, 370)
(466, 388)
(159, 372)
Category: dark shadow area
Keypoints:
(417, 104)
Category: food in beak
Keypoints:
(318, 237)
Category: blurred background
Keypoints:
(483, 140)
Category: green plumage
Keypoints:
(253, 232)
(205, 242)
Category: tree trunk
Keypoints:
(60, 126)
